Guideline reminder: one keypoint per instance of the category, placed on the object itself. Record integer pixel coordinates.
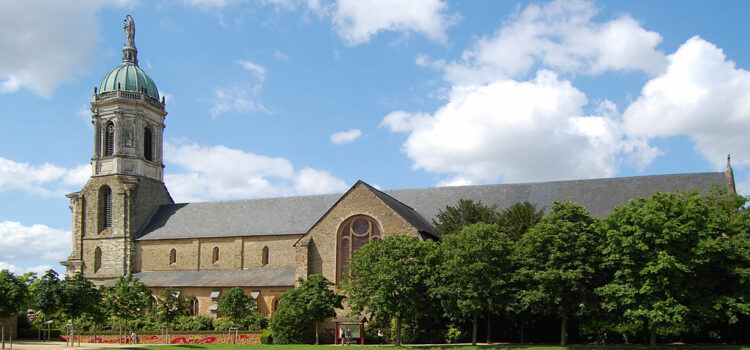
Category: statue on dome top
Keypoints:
(129, 31)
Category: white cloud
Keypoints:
(280, 55)
(357, 21)
(219, 172)
(348, 136)
(46, 43)
(559, 36)
(240, 98)
(702, 95)
(44, 180)
(259, 71)
(38, 269)
(24, 245)
(516, 131)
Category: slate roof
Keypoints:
(283, 277)
(296, 215)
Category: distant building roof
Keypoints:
(281, 277)
(296, 215)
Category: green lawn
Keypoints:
(357, 347)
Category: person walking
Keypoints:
(380, 337)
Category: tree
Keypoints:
(519, 218)
(558, 261)
(312, 302)
(78, 296)
(13, 297)
(236, 305)
(474, 273)
(48, 293)
(467, 212)
(128, 299)
(171, 305)
(654, 249)
(388, 279)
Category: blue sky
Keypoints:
(287, 97)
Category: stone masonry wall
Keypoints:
(235, 253)
(359, 201)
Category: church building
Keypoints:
(125, 221)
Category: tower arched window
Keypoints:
(264, 256)
(148, 145)
(109, 139)
(172, 256)
(105, 208)
(215, 255)
(354, 233)
(97, 259)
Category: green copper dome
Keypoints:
(129, 77)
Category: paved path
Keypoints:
(54, 345)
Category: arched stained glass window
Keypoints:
(215, 255)
(172, 256)
(194, 306)
(354, 233)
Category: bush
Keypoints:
(224, 323)
(193, 323)
(255, 321)
(266, 337)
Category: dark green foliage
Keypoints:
(14, 294)
(389, 279)
(665, 254)
(519, 218)
(302, 308)
(236, 305)
(48, 293)
(171, 306)
(474, 274)
(128, 299)
(80, 296)
(467, 212)
(558, 260)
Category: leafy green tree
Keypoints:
(171, 305)
(312, 302)
(48, 293)
(654, 248)
(236, 305)
(467, 212)
(558, 261)
(128, 299)
(474, 273)
(14, 295)
(79, 297)
(388, 279)
(519, 218)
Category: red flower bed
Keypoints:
(243, 338)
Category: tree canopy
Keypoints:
(128, 298)
(388, 279)
(467, 212)
(312, 302)
(558, 261)
(236, 305)
(475, 270)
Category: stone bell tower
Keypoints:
(127, 180)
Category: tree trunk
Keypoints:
(398, 332)
(564, 330)
(489, 328)
(474, 329)
(522, 324)
(316, 333)
(2, 333)
(652, 337)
